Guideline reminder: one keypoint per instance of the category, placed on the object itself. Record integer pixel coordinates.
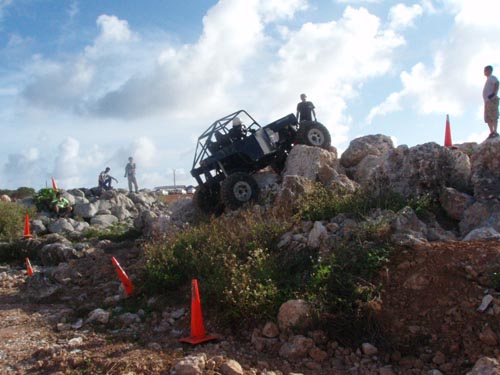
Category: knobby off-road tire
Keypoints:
(313, 133)
(239, 189)
(206, 199)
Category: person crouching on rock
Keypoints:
(105, 180)
(61, 205)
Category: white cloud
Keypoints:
(454, 80)
(164, 89)
(113, 29)
(272, 10)
(328, 61)
(482, 13)
(354, 2)
(23, 169)
(402, 16)
(68, 166)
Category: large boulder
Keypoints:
(312, 163)
(486, 170)
(103, 220)
(485, 366)
(292, 188)
(360, 148)
(419, 170)
(85, 210)
(5, 198)
(190, 365)
(294, 315)
(482, 234)
(454, 202)
(55, 253)
(61, 225)
(479, 215)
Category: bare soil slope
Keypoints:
(428, 314)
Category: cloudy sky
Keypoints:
(85, 84)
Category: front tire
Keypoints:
(313, 133)
(239, 189)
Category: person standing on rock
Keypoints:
(490, 97)
(305, 109)
(130, 174)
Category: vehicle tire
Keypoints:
(206, 199)
(313, 133)
(238, 189)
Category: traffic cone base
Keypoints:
(198, 340)
(27, 233)
(127, 284)
(197, 328)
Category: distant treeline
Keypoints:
(19, 193)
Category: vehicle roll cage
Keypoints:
(220, 126)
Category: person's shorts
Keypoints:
(491, 110)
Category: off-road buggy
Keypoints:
(223, 164)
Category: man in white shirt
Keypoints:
(490, 98)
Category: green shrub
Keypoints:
(342, 283)
(115, 232)
(236, 260)
(43, 199)
(323, 204)
(12, 216)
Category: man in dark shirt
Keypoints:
(305, 109)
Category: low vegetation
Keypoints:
(245, 276)
(19, 193)
(323, 204)
(12, 216)
(116, 232)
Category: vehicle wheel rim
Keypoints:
(315, 137)
(242, 191)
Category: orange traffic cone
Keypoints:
(447, 135)
(54, 185)
(197, 328)
(27, 233)
(127, 284)
(28, 267)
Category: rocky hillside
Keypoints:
(437, 312)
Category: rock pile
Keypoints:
(464, 180)
(142, 211)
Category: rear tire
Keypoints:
(313, 133)
(239, 189)
(206, 199)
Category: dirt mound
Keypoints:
(430, 305)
